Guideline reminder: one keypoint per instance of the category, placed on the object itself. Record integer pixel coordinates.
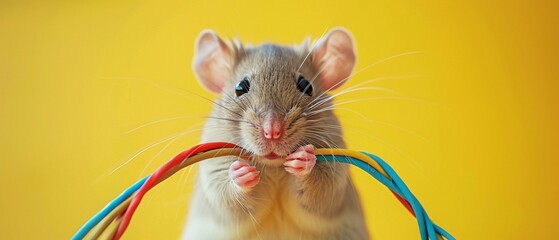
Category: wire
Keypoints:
(80, 234)
(428, 230)
(111, 230)
(154, 178)
(102, 226)
(124, 206)
(117, 203)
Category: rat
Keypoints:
(274, 102)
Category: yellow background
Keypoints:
(472, 127)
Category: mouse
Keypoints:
(275, 102)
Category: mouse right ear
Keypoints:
(213, 61)
(334, 57)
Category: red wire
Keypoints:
(404, 202)
(153, 179)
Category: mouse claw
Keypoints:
(301, 162)
(244, 175)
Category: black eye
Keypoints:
(242, 87)
(304, 85)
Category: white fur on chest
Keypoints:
(277, 215)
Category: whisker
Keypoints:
(165, 147)
(367, 67)
(223, 107)
(333, 106)
(378, 79)
(372, 122)
(229, 119)
(349, 90)
(157, 121)
(314, 45)
(178, 91)
(388, 145)
(356, 86)
(145, 149)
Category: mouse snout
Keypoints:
(272, 127)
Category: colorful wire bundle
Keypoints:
(111, 222)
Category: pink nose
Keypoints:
(272, 128)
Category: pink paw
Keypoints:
(301, 162)
(244, 175)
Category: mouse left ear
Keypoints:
(334, 58)
(212, 61)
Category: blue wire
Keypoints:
(427, 228)
(431, 226)
(107, 209)
(417, 209)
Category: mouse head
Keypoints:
(274, 98)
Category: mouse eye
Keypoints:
(242, 87)
(304, 85)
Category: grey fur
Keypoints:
(324, 205)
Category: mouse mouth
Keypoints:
(275, 153)
(272, 156)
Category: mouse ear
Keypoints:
(334, 58)
(212, 61)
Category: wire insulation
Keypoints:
(153, 179)
(121, 210)
(101, 226)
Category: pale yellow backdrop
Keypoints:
(471, 125)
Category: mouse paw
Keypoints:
(301, 162)
(243, 175)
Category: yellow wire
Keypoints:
(111, 230)
(353, 154)
(206, 155)
(362, 157)
(220, 153)
(101, 227)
